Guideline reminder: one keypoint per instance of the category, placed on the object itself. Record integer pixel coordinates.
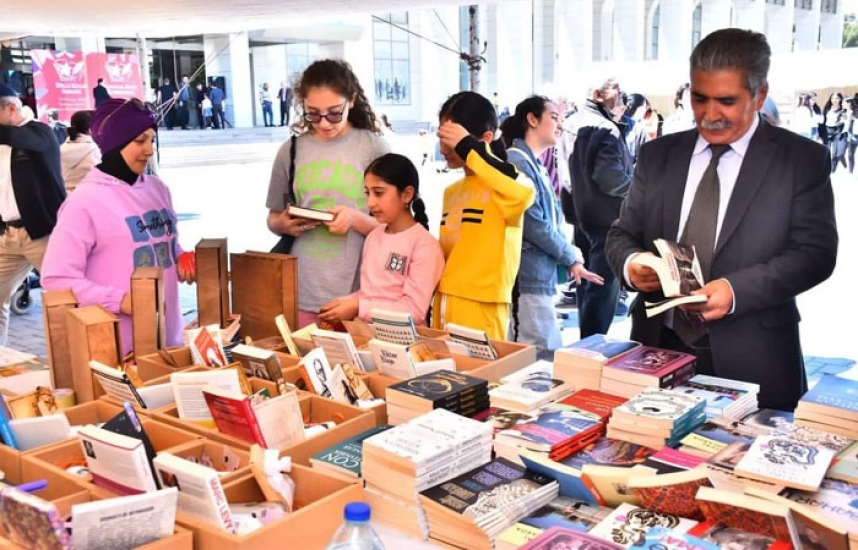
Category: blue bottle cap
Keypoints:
(357, 511)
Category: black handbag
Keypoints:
(284, 245)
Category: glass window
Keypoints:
(392, 59)
(829, 6)
(804, 4)
(696, 24)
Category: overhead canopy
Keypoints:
(182, 17)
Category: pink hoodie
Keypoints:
(104, 230)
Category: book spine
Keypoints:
(220, 503)
(6, 432)
(679, 376)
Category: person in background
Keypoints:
(79, 153)
(852, 133)
(117, 220)
(636, 134)
(58, 128)
(183, 103)
(165, 96)
(402, 263)
(267, 105)
(682, 117)
(338, 137)
(100, 93)
(30, 101)
(803, 117)
(834, 117)
(217, 96)
(284, 97)
(755, 201)
(201, 93)
(481, 223)
(534, 127)
(206, 112)
(601, 174)
(31, 191)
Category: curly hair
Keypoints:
(337, 75)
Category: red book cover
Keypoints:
(677, 499)
(594, 401)
(235, 417)
(711, 531)
(745, 519)
(648, 364)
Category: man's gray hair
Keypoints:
(5, 101)
(736, 49)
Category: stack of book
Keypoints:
(344, 459)
(724, 397)
(530, 388)
(646, 367)
(657, 417)
(831, 405)
(585, 358)
(471, 510)
(406, 459)
(558, 430)
(454, 391)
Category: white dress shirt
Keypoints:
(8, 204)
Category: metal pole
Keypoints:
(474, 45)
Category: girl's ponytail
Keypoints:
(418, 207)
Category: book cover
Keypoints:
(844, 467)
(836, 500)
(30, 521)
(662, 538)
(346, 386)
(559, 538)
(609, 452)
(516, 536)
(780, 459)
(395, 327)
(435, 390)
(554, 425)
(488, 494)
(116, 383)
(309, 213)
(747, 513)
(339, 347)
(528, 394)
(233, 415)
(286, 334)
(316, 371)
(476, 341)
(205, 349)
(596, 402)
(200, 491)
(729, 537)
(833, 392)
(567, 512)
(659, 407)
(5, 430)
(188, 392)
(611, 483)
(117, 462)
(649, 366)
(628, 525)
(346, 456)
(671, 493)
(128, 423)
(815, 530)
(260, 363)
(104, 524)
(600, 347)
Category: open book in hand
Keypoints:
(679, 272)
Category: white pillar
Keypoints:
(573, 44)
(831, 30)
(676, 20)
(228, 55)
(779, 22)
(807, 28)
(631, 30)
(750, 15)
(716, 15)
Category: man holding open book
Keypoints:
(756, 203)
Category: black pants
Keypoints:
(596, 303)
(284, 114)
(217, 116)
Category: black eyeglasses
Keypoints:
(333, 117)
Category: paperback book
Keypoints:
(476, 341)
(628, 525)
(557, 538)
(679, 273)
(30, 521)
(344, 459)
(272, 423)
(649, 366)
(779, 459)
(394, 327)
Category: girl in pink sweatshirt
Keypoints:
(402, 263)
(118, 219)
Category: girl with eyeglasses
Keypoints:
(118, 219)
(338, 136)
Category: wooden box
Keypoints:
(377, 384)
(62, 490)
(147, 306)
(232, 462)
(264, 286)
(163, 363)
(212, 282)
(319, 501)
(93, 334)
(54, 307)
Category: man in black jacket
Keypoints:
(100, 93)
(600, 172)
(31, 191)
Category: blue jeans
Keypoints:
(596, 304)
(267, 113)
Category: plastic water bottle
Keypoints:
(355, 533)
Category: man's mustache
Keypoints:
(716, 125)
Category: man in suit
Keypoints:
(100, 93)
(771, 229)
(284, 95)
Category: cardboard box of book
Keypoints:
(377, 384)
(315, 410)
(54, 307)
(511, 356)
(159, 365)
(60, 489)
(56, 459)
(230, 462)
(319, 503)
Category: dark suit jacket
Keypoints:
(778, 239)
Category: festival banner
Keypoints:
(63, 80)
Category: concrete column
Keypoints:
(831, 30)
(513, 70)
(573, 43)
(750, 15)
(716, 15)
(807, 28)
(631, 30)
(676, 20)
(66, 43)
(92, 43)
(778, 25)
(269, 65)
(229, 56)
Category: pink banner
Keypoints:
(63, 80)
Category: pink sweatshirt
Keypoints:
(104, 230)
(399, 272)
